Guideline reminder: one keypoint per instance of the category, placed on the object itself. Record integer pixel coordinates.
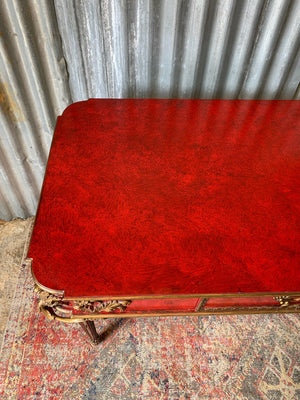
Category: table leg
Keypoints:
(90, 329)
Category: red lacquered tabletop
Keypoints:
(171, 197)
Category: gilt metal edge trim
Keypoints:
(38, 285)
(188, 296)
(53, 306)
(225, 311)
(61, 293)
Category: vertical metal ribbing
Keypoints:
(53, 52)
(33, 91)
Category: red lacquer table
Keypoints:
(169, 207)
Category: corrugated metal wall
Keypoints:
(135, 48)
(33, 91)
(181, 48)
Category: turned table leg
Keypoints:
(90, 329)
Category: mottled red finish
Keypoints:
(171, 197)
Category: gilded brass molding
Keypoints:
(100, 305)
(187, 296)
(54, 306)
(286, 301)
(38, 285)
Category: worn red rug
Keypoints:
(217, 357)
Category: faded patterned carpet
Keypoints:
(218, 357)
